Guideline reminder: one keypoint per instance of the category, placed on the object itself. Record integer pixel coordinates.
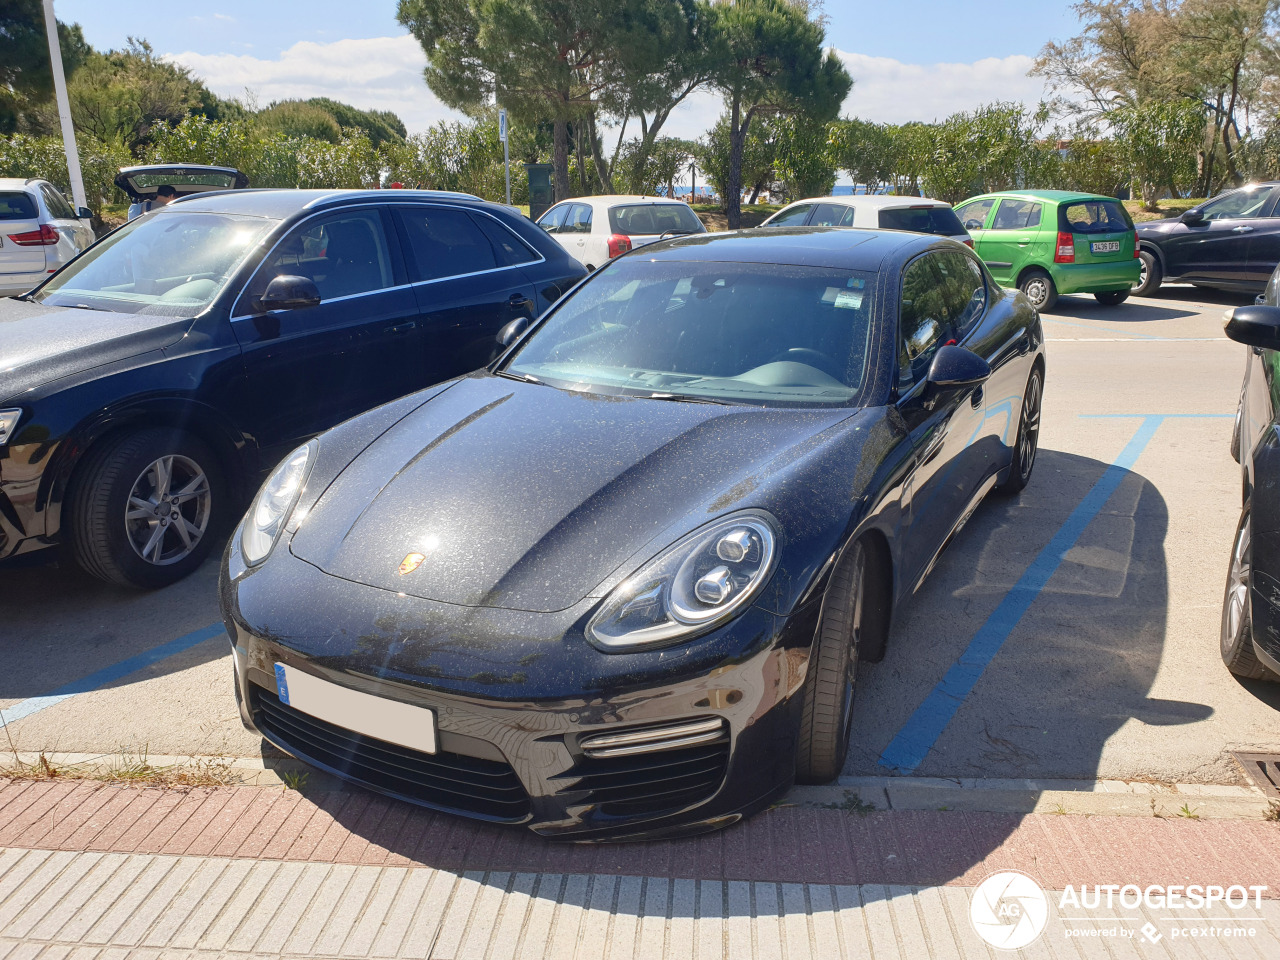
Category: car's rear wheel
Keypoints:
(1111, 298)
(1237, 616)
(827, 716)
(1040, 289)
(1149, 276)
(145, 511)
(1028, 440)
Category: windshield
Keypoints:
(1094, 216)
(647, 219)
(765, 334)
(170, 264)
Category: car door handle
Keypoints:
(402, 327)
(519, 300)
(1242, 229)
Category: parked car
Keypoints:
(597, 229)
(1231, 242)
(1050, 242)
(148, 385)
(141, 183)
(618, 583)
(917, 214)
(39, 232)
(1250, 637)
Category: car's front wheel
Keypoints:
(1027, 442)
(827, 716)
(1149, 276)
(1040, 289)
(1237, 616)
(145, 509)
(1111, 298)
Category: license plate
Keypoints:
(389, 720)
(1106, 246)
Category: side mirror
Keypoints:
(1193, 216)
(290, 293)
(955, 368)
(972, 224)
(84, 213)
(1254, 326)
(511, 332)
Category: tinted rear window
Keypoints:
(17, 206)
(647, 219)
(1094, 216)
(940, 220)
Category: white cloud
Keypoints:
(385, 73)
(382, 73)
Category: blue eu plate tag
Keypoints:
(282, 684)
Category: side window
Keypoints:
(553, 219)
(57, 203)
(1017, 215)
(832, 215)
(795, 217)
(510, 249)
(1242, 204)
(974, 215)
(922, 323)
(445, 242)
(578, 220)
(344, 254)
(964, 291)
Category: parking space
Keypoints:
(1068, 633)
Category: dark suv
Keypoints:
(1231, 242)
(147, 385)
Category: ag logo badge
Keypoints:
(411, 563)
(1009, 910)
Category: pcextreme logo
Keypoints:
(1009, 910)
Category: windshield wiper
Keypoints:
(522, 377)
(685, 398)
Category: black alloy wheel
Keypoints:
(827, 717)
(1236, 639)
(1028, 440)
(145, 509)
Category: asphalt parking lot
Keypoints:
(1068, 633)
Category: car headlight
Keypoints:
(275, 501)
(8, 420)
(697, 583)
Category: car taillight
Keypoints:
(46, 236)
(967, 241)
(619, 244)
(1135, 246)
(1066, 250)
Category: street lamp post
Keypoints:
(64, 108)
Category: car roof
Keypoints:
(18, 183)
(611, 200)
(281, 203)
(881, 201)
(1049, 196)
(839, 247)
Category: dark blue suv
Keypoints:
(146, 386)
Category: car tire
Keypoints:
(827, 711)
(1236, 639)
(1027, 442)
(1111, 298)
(1040, 289)
(170, 475)
(1151, 276)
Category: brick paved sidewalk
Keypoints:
(105, 870)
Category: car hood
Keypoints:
(526, 497)
(40, 344)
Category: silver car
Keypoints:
(39, 232)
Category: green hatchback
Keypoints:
(1049, 242)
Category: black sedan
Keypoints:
(1251, 607)
(618, 583)
(1231, 242)
(147, 387)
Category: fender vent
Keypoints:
(1262, 769)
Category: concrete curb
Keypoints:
(1121, 798)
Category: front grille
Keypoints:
(650, 784)
(470, 785)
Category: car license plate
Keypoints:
(389, 720)
(1105, 246)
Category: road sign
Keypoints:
(502, 125)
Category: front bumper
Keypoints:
(1095, 277)
(516, 698)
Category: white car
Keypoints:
(39, 232)
(916, 214)
(597, 229)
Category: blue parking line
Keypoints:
(913, 742)
(106, 675)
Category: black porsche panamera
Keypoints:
(617, 584)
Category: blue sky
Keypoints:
(911, 59)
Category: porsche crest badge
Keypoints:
(411, 562)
